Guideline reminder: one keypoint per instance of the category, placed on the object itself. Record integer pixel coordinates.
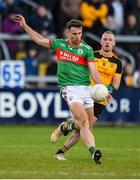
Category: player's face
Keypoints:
(107, 42)
(75, 35)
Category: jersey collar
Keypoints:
(106, 56)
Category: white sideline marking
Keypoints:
(36, 146)
(112, 149)
(123, 149)
(22, 146)
(134, 174)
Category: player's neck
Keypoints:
(106, 53)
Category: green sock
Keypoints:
(92, 150)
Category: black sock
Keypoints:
(62, 150)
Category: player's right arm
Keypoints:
(39, 39)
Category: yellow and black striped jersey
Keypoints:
(108, 68)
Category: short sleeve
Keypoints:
(90, 55)
(119, 67)
(54, 44)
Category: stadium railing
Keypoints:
(25, 37)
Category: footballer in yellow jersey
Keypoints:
(109, 68)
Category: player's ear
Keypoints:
(114, 43)
(101, 42)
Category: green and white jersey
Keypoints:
(72, 62)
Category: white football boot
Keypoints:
(60, 157)
(56, 133)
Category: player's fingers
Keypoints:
(16, 19)
(110, 98)
(13, 17)
(16, 16)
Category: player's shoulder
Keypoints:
(59, 40)
(58, 43)
(97, 54)
(116, 58)
(84, 44)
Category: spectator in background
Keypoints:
(131, 28)
(66, 10)
(11, 6)
(128, 75)
(2, 4)
(2, 11)
(43, 61)
(137, 11)
(115, 22)
(129, 6)
(52, 69)
(8, 26)
(94, 15)
(20, 51)
(31, 64)
(42, 21)
(137, 78)
(49, 4)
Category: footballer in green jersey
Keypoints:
(75, 65)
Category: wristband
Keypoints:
(110, 88)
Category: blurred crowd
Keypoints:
(48, 17)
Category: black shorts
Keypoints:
(98, 109)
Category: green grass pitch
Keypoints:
(26, 152)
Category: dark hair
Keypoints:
(74, 23)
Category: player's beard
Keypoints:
(107, 49)
(75, 41)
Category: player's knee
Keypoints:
(82, 120)
(84, 123)
(94, 120)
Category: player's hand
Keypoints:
(19, 19)
(110, 98)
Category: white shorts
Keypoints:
(79, 94)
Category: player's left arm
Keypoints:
(116, 80)
(94, 73)
(92, 67)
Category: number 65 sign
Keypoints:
(12, 74)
